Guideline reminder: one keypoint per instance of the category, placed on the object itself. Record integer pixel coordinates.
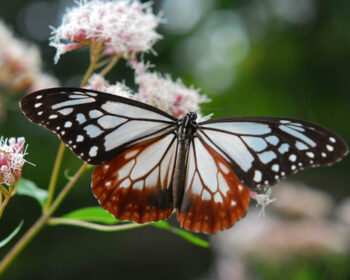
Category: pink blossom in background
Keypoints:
(99, 83)
(12, 152)
(124, 27)
(170, 96)
(20, 65)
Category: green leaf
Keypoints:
(92, 214)
(99, 215)
(182, 233)
(29, 188)
(11, 235)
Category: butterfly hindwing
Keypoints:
(262, 150)
(96, 126)
(137, 184)
(214, 198)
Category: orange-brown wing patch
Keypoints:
(214, 198)
(136, 185)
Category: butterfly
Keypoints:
(150, 163)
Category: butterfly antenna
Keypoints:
(217, 109)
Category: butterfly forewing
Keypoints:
(96, 126)
(262, 150)
(214, 198)
(137, 184)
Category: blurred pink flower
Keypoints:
(161, 92)
(274, 239)
(20, 65)
(124, 27)
(12, 152)
(99, 83)
(296, 199)
(343, 213)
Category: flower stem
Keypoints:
(54, 176)
(7, 196)
(40, 223)
(95, 53)
(109, 66)
(89, 225)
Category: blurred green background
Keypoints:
(254, 57)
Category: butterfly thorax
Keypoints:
(187, 126)
(186, 129)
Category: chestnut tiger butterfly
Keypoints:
(150, 163)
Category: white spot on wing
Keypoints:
(197, 185)
(275, 167)
(80, 118)
(73, 102)
(223, 185)
(66, 111)
(125, 170)
(138, 185)
(284, 121)
(256, 143)
(131, 154)
(257, 176)
(330, 148)
(301, 146)
(53, 117)
(250, 128)
(206, 195)
(68, 124)
(95, 114)
(332, 139)
(273, 140)
(310, 154)
(93, 151)
(37, 105)
(224, 168)
(283, 148)
(110, 121)
(267, 156)
(92, 130)
(297, 135)
(292, 157)
(218, 198)
(80, 138)
(125, 184)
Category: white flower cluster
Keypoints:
(162, 92)
(124, 27)
(97, 82)
(12, 154)
(20, 65)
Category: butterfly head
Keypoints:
(192, 116)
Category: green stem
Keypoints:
(7, 196)
(89, 225)
(109, 66)
(40, 223)
(54, 176)
(95, 52)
